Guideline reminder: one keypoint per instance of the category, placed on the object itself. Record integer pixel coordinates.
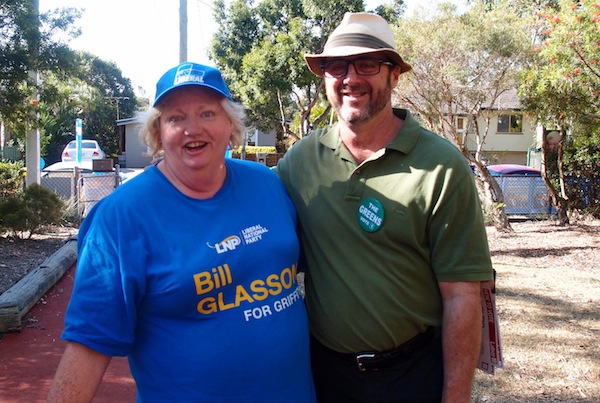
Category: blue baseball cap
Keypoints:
(188, 73)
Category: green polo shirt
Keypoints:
(379, 236)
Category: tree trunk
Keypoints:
(493, 199)
(559, 201)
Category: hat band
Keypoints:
(365, 40)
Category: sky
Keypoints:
(142, 36)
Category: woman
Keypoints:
(189, 269)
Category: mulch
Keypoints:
(28, 360)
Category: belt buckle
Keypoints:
(360, 358)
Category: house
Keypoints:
(511, 134)
(133, 153)
(261, 138)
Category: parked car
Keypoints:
(513, 169)
(90, 149)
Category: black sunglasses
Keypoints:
(364, 66)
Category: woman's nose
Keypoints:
(192, 126)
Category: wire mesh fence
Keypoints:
(525, 195)
(81, 189)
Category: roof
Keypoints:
(508, 100)
(127, 121)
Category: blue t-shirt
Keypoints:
(200, 294)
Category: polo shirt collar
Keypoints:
(405, 140)
(408, 135)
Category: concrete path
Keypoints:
(29, 359)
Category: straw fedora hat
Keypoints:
(357, 34)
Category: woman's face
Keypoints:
(194, 129)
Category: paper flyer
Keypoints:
(490, 356)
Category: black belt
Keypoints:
(373, 361)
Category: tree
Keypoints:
(260, 52)
(562, 89)
(462, 77)
(72, 84)
(524, 8)
(24, 48)
(110, 93)
(91, 92)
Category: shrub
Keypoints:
(30, 211)
(11, 178)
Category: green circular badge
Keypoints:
(370, 214)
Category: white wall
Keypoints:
(505, 142)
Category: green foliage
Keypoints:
(92, 94)
(30, 211)
(260, 52)
(391, 11)
(74, 84)
(11, 178)
(13, 215)
(562, 89)
(564, 83)
(28, 44)
(582, 164)
(255, 149)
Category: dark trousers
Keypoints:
(416, 377)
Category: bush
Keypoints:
(30, 211)
(11, 178)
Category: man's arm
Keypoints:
(78, 375)
(461, 338)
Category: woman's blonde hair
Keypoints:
(150, 126)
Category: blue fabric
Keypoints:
(200, 294)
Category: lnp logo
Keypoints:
(186, 73)
(227, 244)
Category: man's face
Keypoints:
(357, 98)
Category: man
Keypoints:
(393, 235)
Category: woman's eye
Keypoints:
(175, 119)
(207, 114)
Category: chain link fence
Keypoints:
(525, 195)
(81, 189)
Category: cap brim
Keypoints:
(314, 60)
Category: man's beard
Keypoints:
(378, 102)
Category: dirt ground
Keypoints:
(19, 256)
(547, 298)
(543, 244)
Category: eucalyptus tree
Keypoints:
(462, 64)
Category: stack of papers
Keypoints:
(490, 356)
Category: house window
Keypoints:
(461, 125)
(510, 123)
